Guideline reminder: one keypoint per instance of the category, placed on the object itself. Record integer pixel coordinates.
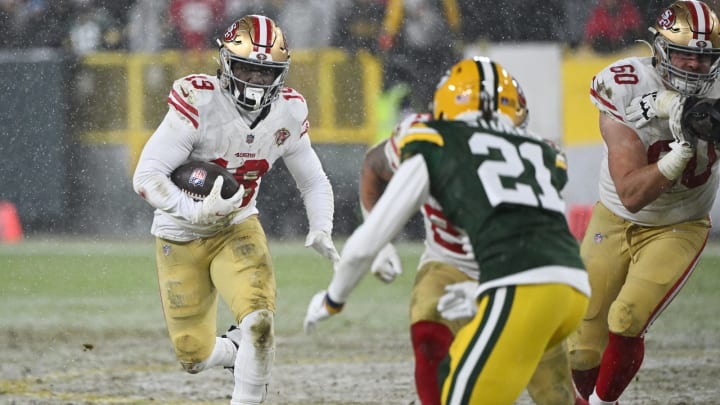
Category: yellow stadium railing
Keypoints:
(129, 92)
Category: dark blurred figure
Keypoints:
(9, 33)
(34, 23)
(613, 25)
(196, 22)
(268, 8)
(514, 20)
(420, 40)
(358, 25)
(95, 25)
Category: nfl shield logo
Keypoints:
(250, 138)
(197, 178)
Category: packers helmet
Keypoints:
(255, 42)
(479, 84)
(693, 29)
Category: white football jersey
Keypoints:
(203, 124)
(693, 195)
(444, 242)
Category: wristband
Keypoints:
(673, 164)
(666, 102)
(332, 306)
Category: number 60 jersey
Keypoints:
(204, 124)
(612, 91)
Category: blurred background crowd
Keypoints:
(83, 26)
(102, 105)
(415, 39)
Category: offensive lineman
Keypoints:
(244, 120)
(501, 185)
(447, 266)
(657, 187)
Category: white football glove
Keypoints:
(641, 110)
(663, 104)
(317, 311)
(213, 207)
(387, 265)
(458, 301)
(323, 244)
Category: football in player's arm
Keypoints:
(243, 119)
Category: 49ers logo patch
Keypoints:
(281, 136)
(231, 31)
(666, 19)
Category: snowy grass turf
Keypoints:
(94, 284)
(97, 284)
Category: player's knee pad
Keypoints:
(584, 359)
(551, 384)
(622, 321)
(187, 348)
(258, 327)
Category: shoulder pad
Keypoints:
(296, 104)
(392, 150)
(190, 93)
(420, 132)
(614, 87)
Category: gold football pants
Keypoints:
(494, 357)
(234, 263)
(635, 272)
(430, 283)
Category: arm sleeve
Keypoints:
(166, 149)
(315, 189)
(405, 194)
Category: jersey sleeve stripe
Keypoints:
(179, 100)
(181, 109)
(610, 108)
(421, 137)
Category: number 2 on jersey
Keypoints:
(492, 172)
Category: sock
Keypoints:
(585, 381)
(431, 341)
(223, 354)
(620, 362)
(595, 400)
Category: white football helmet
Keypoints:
(258, 43)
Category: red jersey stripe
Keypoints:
(182, 101)
(179, 107)
(607, 104)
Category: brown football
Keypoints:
(196, 179)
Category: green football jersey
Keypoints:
(502, 187)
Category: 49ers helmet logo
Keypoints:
(666, 19)
(231, 32)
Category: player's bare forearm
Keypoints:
(374, 177)
(637, 181)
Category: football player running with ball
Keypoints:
(244, 120)
(657, 186)
(500, 184)
(448, 272)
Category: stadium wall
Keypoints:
(70, 143)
